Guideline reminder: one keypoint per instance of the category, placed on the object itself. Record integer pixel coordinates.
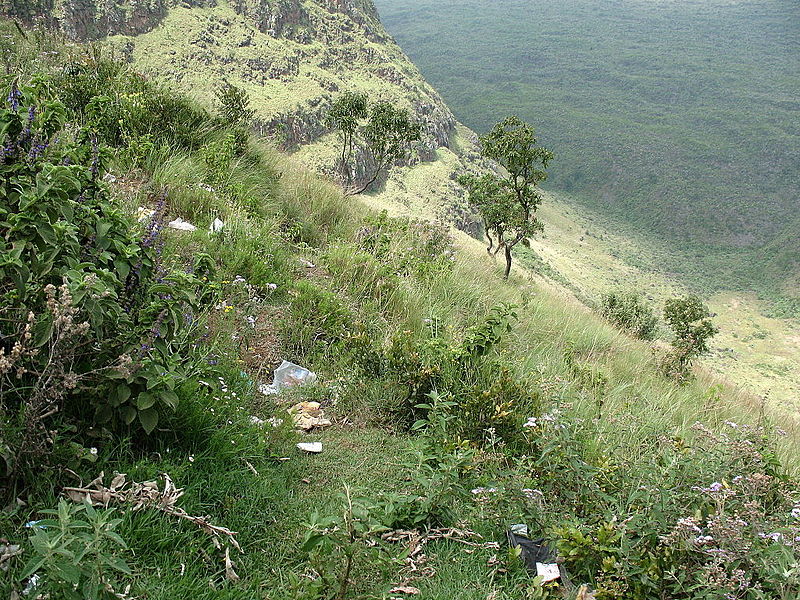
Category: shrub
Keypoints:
(77, 555)
(93, 321)
(630, 313)
(689, 320)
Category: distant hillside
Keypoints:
(677, 118)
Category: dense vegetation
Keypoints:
(678, 119)
(461, 404)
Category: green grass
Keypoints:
(612, 445)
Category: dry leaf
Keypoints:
(404, 589)
(7, 552)
(584, 593)
(229, 564)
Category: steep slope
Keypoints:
(292, 57)
(507, 385)
(676, 119)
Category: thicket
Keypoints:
(630, 312)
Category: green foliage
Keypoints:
(480, 390)
(77, 555)
(388, 135)
(233, 105)
(689, 320)
(383, 131)
(122, 106)
(340, 544)
(629, 312)
(345, 115)
(410, 247)
(508, 202)
(94, 321)
(318, 322)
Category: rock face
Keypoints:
(293, 57)
(83, 20)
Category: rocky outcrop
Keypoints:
(277, 18)
(85, 20)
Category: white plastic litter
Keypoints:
(217, 225)
(267, 389)
(548, 572)
(143, 214)
(181, 225)
(312, 447)
(288, 375)
(306, 263)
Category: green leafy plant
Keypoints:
(77, 555)
(629, 312)
(508, 202)
(383, 132)
(690, 321)
(345, 115)
(87, 297)
(339, 545)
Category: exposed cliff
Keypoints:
(293, 57)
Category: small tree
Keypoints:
(385, 137)
(630, 312)
(345, 115)
(508, 202)
(689, 319)
(233, 106)
(493, 202)
(388, 136)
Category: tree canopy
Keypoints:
(508, 199)
(383, 131)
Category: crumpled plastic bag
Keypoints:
(181, 225)
(288, 374)
(538, 557)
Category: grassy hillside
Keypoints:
(678, 119)
(291, 80)
(460, 404)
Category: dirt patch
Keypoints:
(263, 351)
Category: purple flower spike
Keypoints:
(14, 97)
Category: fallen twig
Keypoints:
(148, 495)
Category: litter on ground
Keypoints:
(312, 447)
(537, 556)
(308, 415)
(288, 374)
(181, 225)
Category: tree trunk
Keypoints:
(488, 237)
(508, 262)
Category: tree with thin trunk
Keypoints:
(508, 200)
(384, 133)
(388, 136)
(346, 114)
